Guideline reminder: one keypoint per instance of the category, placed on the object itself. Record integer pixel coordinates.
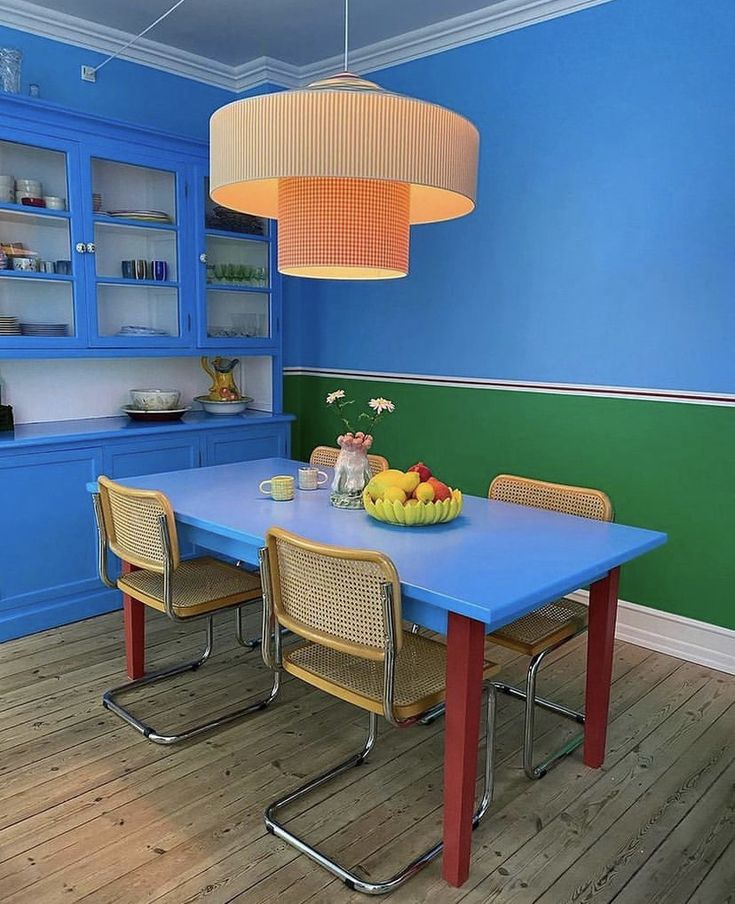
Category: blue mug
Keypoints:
(128, 269)
(160, 270)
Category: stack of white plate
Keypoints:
(153, 216)
(9, 326)
(130, 330)
(44, 329)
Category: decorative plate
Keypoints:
(140, 414)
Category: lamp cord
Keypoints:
(347, 33)
(137, 37)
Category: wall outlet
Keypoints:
(89, 74)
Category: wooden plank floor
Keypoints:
(89, 811)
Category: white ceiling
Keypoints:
(239, 43)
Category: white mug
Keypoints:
(311, 478)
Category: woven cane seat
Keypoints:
(199, 586)
(419, 677)
(543, 628)
(326, 457)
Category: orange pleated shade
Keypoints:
(345, 167)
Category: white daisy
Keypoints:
(380, 405)
(333, 396)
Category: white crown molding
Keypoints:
(497, 19)
(486, 22)
(675, 635)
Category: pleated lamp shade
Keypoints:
(345, 167)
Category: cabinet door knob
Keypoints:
(203, 257)
(91, 247)
(81, 247)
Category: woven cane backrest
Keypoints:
(326, 457)
(332, 596)
(556, 497)
(133, 526)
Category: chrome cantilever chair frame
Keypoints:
(581, 502)
(273, 658)
(110, 698)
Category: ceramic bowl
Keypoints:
(422, 514)
(224, 407)
(54, 203)
(155, 399)
(32, 202)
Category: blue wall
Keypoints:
(124, 91)
(602, 249)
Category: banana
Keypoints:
(453, 509)
(410, 513)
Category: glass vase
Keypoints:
(10, 60)
(351, 476)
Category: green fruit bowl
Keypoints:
(422, 514)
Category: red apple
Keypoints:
(441, 490)
(423, 472)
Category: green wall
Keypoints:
(665, 466)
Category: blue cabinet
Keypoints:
(128, 195)
(48, 572)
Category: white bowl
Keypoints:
(54, 203)
(212, 407)
(155, 399)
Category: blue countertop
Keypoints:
(53, 432)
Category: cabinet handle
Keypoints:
(80, 247)
(203, 257)
(91, 247)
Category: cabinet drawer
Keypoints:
(223, 447)
(152, 456)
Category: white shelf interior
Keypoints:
(237, 314)
(49, 236)
(256, 380)
(116, 243)
(124, 186)
(22, 161)
(132, 305)
(35, 301)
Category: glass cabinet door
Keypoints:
(136, 254)
(237, 277)
(37, 263)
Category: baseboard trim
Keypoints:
(676, 635)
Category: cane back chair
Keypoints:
(546, 629)
(346, 605)
(139, 527)
(326, 457)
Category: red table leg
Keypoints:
(601, 637)
(465, 661)
(134, 620)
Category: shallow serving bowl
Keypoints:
(212, 407)
(155, 399)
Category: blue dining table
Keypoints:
(493, 564)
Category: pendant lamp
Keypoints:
(345, 167)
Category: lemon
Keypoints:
(394, 494)
(424, 492)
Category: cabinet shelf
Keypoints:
(226, 234)
(229, 287)
(138, 224)
(34, 274)
(41, 213)
(152, 283)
